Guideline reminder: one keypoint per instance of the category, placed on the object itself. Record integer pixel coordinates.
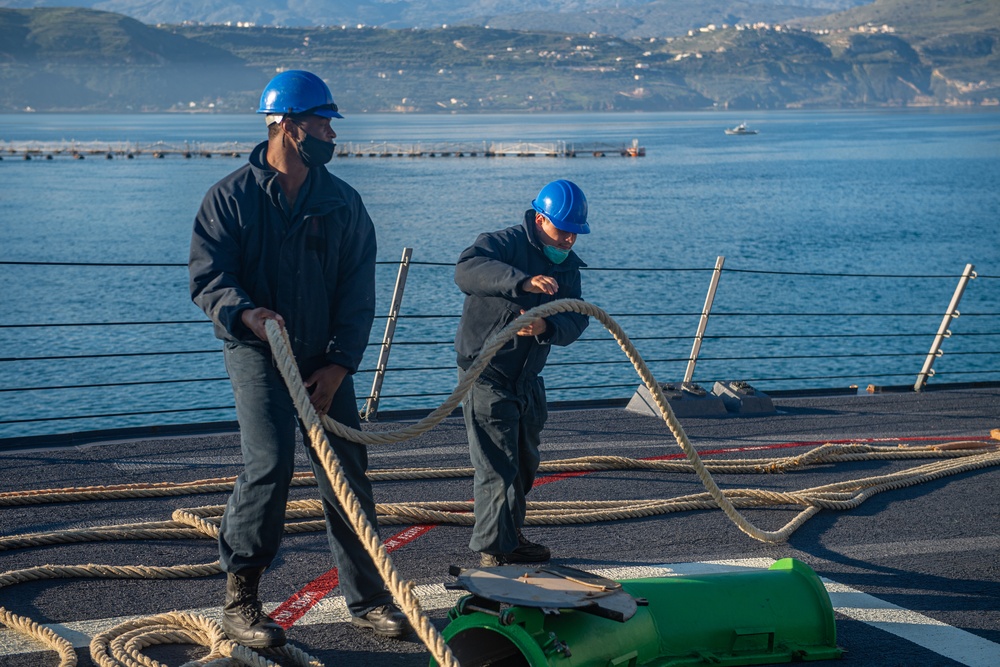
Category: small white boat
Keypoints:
(740, 129)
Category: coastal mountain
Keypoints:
(918, 53)
(959, 41)
(622, 18)
(660, 18)
(921, 19)
(79, 59)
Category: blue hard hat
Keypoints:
(565, 205)
(297, 91)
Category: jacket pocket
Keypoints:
(506, 314)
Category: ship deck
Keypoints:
(913, 572)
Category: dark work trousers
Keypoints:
(254, 520)
(503, 421)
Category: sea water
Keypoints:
(907, 197)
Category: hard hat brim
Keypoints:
(561, 225)
(326, 113)
(573, 229)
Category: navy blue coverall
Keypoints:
(505, 410)
(314, 264)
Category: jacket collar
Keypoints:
(322, 196)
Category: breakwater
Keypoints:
(77, 150)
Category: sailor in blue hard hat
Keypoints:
(297, 91)
(503, 274)
(284, 239)
(561, 214)
(297, 107)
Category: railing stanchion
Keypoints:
(370, 413)
(703, 322)
(943, 332)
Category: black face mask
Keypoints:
(315, 152)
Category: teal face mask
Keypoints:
(555, 255)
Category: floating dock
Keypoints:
(80, 150)
(490, 149)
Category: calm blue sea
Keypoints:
(895, 193)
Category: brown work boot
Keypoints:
(386, 620)
(491, 560)
(243, 619)
(526, 551)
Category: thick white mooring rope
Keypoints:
(123, 644)
(282, 351)
(281, 347)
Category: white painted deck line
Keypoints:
(945, 640)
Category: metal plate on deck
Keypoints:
(549, 587)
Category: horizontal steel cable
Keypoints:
(452, 316)
(820, 274)
(402, 343)
(41, 325)
(130, 264)
(110, 355)
(639, 269)
(114, 414)
(412, 369)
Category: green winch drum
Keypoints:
(746, 617)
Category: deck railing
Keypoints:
(755, 326)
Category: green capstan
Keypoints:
(554, 616)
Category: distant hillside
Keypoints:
(922, 19)
(958, 40)
(62, 59)
(98, 37)
(622, 18)
(658, 18)
(78, 59)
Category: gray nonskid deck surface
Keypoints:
(930, 549)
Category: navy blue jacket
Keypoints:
(315, 267)
(490, 272)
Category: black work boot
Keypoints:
(527, 551)
(243, 619)
(386, 620)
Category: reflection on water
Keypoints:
(906, 193)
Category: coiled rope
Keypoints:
(123, 644)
